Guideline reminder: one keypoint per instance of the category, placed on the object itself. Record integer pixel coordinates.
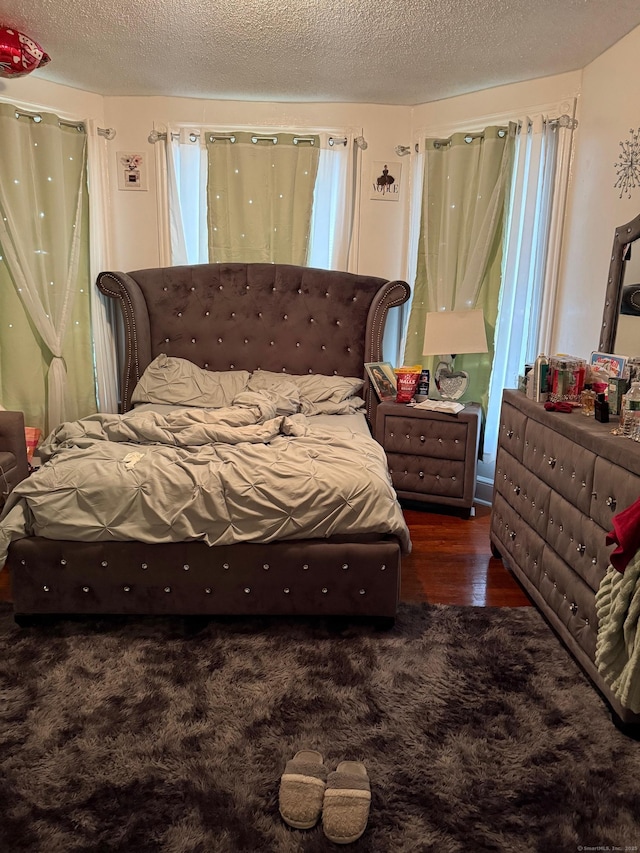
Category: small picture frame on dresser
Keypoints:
(383, 379)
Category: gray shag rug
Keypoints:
(478, 731)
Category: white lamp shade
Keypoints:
(454, 332)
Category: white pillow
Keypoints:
(180, 382)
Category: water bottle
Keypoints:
(631, 412)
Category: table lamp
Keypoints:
(450, 333)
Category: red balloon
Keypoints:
(19, 55)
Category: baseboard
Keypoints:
(484, 491)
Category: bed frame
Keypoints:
(224, 317)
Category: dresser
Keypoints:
(559, 479)
(432, 456)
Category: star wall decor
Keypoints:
(628, 165)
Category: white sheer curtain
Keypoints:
(104, 318)
(530, 264)
(333, 203)
(186, 155)
(182, 163)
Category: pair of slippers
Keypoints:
(342, 797)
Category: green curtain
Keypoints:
(260, 196)
(466, 181)
(46, 357)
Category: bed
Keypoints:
(283, 348)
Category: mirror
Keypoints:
(620, 331)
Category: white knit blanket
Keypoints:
(618, 642)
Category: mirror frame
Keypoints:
(624, 235)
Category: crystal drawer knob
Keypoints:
(611, 502)
(573, 607)
(552, 461)
(509, 433)
(512, 535)
(581, 549)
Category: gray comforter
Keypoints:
(235, 474)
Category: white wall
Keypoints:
(610, 108)
(63, 100)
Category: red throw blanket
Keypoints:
(626, 535)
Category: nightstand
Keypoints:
(432, 456)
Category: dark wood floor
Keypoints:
(451, 563)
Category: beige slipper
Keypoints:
(347, 798)
(302, 789)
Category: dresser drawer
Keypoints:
(561, 463)
(511, 431)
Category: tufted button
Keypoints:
(421, 438)
(144, 565)
(179, 313)
(219, 340)
(186, 567)
(63, 562)
(193, 288)
(286, 590)
(247, 590)
(421, 475)
(382, 567)
(45, 588)
(85, 589)
(167, 589)
(166, 340)
(305, 566)
(206, 313)
(266, 567)
(193, 340)
(104, 564)
(126, 589)
(207, 589)
(362, 591)
(324, 590)
(285, 316)
(225, 566)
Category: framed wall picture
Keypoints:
(383, 379)
(385, 181)
(132, 171)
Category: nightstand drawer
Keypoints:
(422, 437)
(427, 475)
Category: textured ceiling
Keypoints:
(357, 51)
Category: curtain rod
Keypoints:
(107, 132)
(561, 121)
(156, 136)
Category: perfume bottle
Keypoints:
(587, 401)
(601, 409)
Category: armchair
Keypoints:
(14, 466)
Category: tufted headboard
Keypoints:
(252, 316)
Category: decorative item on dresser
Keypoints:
(559, 480)
(222, 321)
(432, 455)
